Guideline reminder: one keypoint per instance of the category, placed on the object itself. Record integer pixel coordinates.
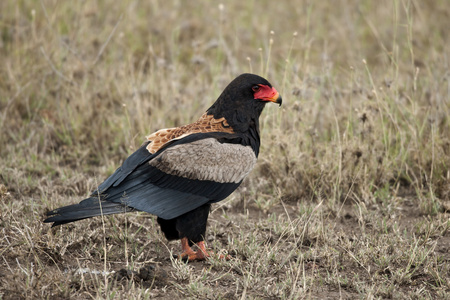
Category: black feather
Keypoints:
(90, 207)
(139, 157)
(191, 224)
(138, 186)
(181, 204)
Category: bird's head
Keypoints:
(250, 87)
(244, 99)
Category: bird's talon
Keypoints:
(191, 256)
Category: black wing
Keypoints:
(187, 173)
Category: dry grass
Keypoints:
(351, 196)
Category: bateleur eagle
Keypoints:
(178, 172)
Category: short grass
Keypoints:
(351, 195)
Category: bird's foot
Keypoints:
(202, 254)
(191, 256)
(188, 254)
(202, 249)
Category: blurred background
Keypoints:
(364, 123)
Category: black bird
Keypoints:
(178, 172)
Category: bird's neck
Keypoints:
(244, 124)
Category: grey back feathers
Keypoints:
(207, 159)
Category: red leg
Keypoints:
(201, 254)
(187, 253)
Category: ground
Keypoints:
(350, 197)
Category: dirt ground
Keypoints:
(350, 196)
(69, 262)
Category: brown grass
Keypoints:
(351, 195)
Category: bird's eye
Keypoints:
(255, 88)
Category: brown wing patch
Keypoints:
(206, 123)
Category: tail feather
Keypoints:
(87, 208)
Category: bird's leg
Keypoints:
(188, 253)
(205, 254)
(202, 254)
